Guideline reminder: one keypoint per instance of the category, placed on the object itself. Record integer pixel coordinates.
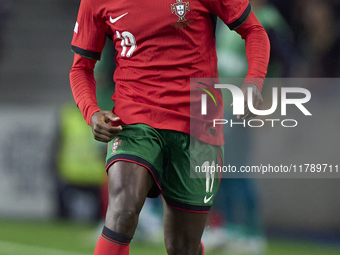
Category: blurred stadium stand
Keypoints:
(36, 55)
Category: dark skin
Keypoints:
(130, 183)
(101, 129)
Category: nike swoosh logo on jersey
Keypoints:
(206, 200)
(114, 20)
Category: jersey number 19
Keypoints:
(127, 40)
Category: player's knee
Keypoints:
(173, 249)
(123, 221)
(180, 249)
(123, 217)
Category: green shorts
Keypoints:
(170, 156)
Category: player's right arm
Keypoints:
(83, 87)
(87, 43)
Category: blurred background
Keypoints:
(52, 179)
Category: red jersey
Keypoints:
(161, 45)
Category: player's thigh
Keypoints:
(128, 184)
(182, 230)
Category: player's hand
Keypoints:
(257, 100)
(101, 129)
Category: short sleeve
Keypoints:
(89, 33)
(233, 12)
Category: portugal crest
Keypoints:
(115, 145)
(180, 8)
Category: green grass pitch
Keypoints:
(64, 238)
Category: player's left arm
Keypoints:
(258, 52)
(83, 87)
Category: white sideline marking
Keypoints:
(9, 248)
